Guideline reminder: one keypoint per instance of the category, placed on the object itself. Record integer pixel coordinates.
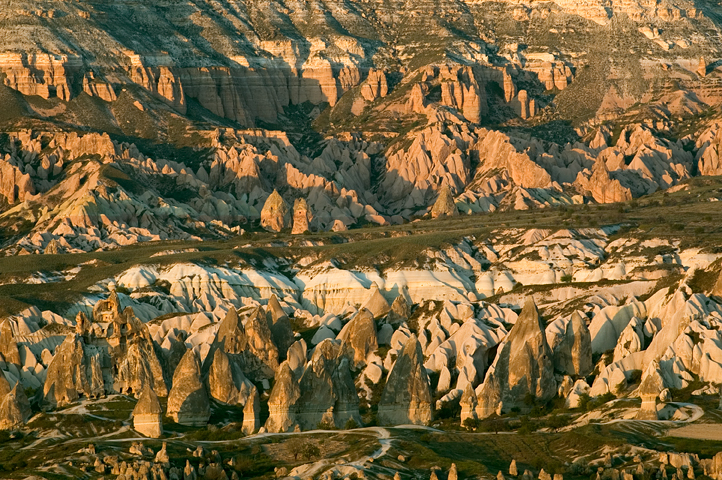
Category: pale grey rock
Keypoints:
(573, 355)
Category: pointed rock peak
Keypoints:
(717, 289)
(274, 308)
(275, 215)
(400, 309)
(188, 367)
(4, 385)
(376, 303)
(469, 395)
(360, 334)
(148, 403)
(231, 335)
(444, 205)
(652, 383)
(301, 217)
(529, 321)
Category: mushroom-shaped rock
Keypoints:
(275, 215)
(360, 335)
(282, 401)
(75, 370)
(407, 395)
(188, 400)
(649, 389)
(523, 366)
(328, 394)
(444, 205)
(376, 303)
(148, 414)
(280, 326)
(301, 217)
(226, 381)
(14, 408)
(573, 355)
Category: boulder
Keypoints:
(523, 366)
(148, 414)
(275, 215)
(188, 402)
(406, 398)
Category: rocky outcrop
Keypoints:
(188, 399)
(15, 185)
(252, 413)
(649, 390)
(601, 186)
(260, 358)
(573, 355)
(407, 395)
(376, 303)
(275, 215)
(226, 381)
(14, 407)
(148, 414)
(444, 205)
(8, 345)
(360, 335)
(139, 366)
(523, 366)
(76, 369)
(375, 86)
(282, 401)
(301, 217)
(280, 325)
(328, 394)
(468, 403)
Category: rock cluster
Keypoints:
(523, 366)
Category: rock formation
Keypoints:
(649, 390)
(148, 414)
(376, 303)
(260, 358)
(188, 400)
(226, 381)
(328, 394)
(523, 366)
(468, 404)
(275, 215)
(252, 413)
(14, 407)
(280, 325)
(407, 395)
(444, 205)
(301, 217)
(360, 335)
(8, 345)
(282, 401)
(573, 356)
(76, 369)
